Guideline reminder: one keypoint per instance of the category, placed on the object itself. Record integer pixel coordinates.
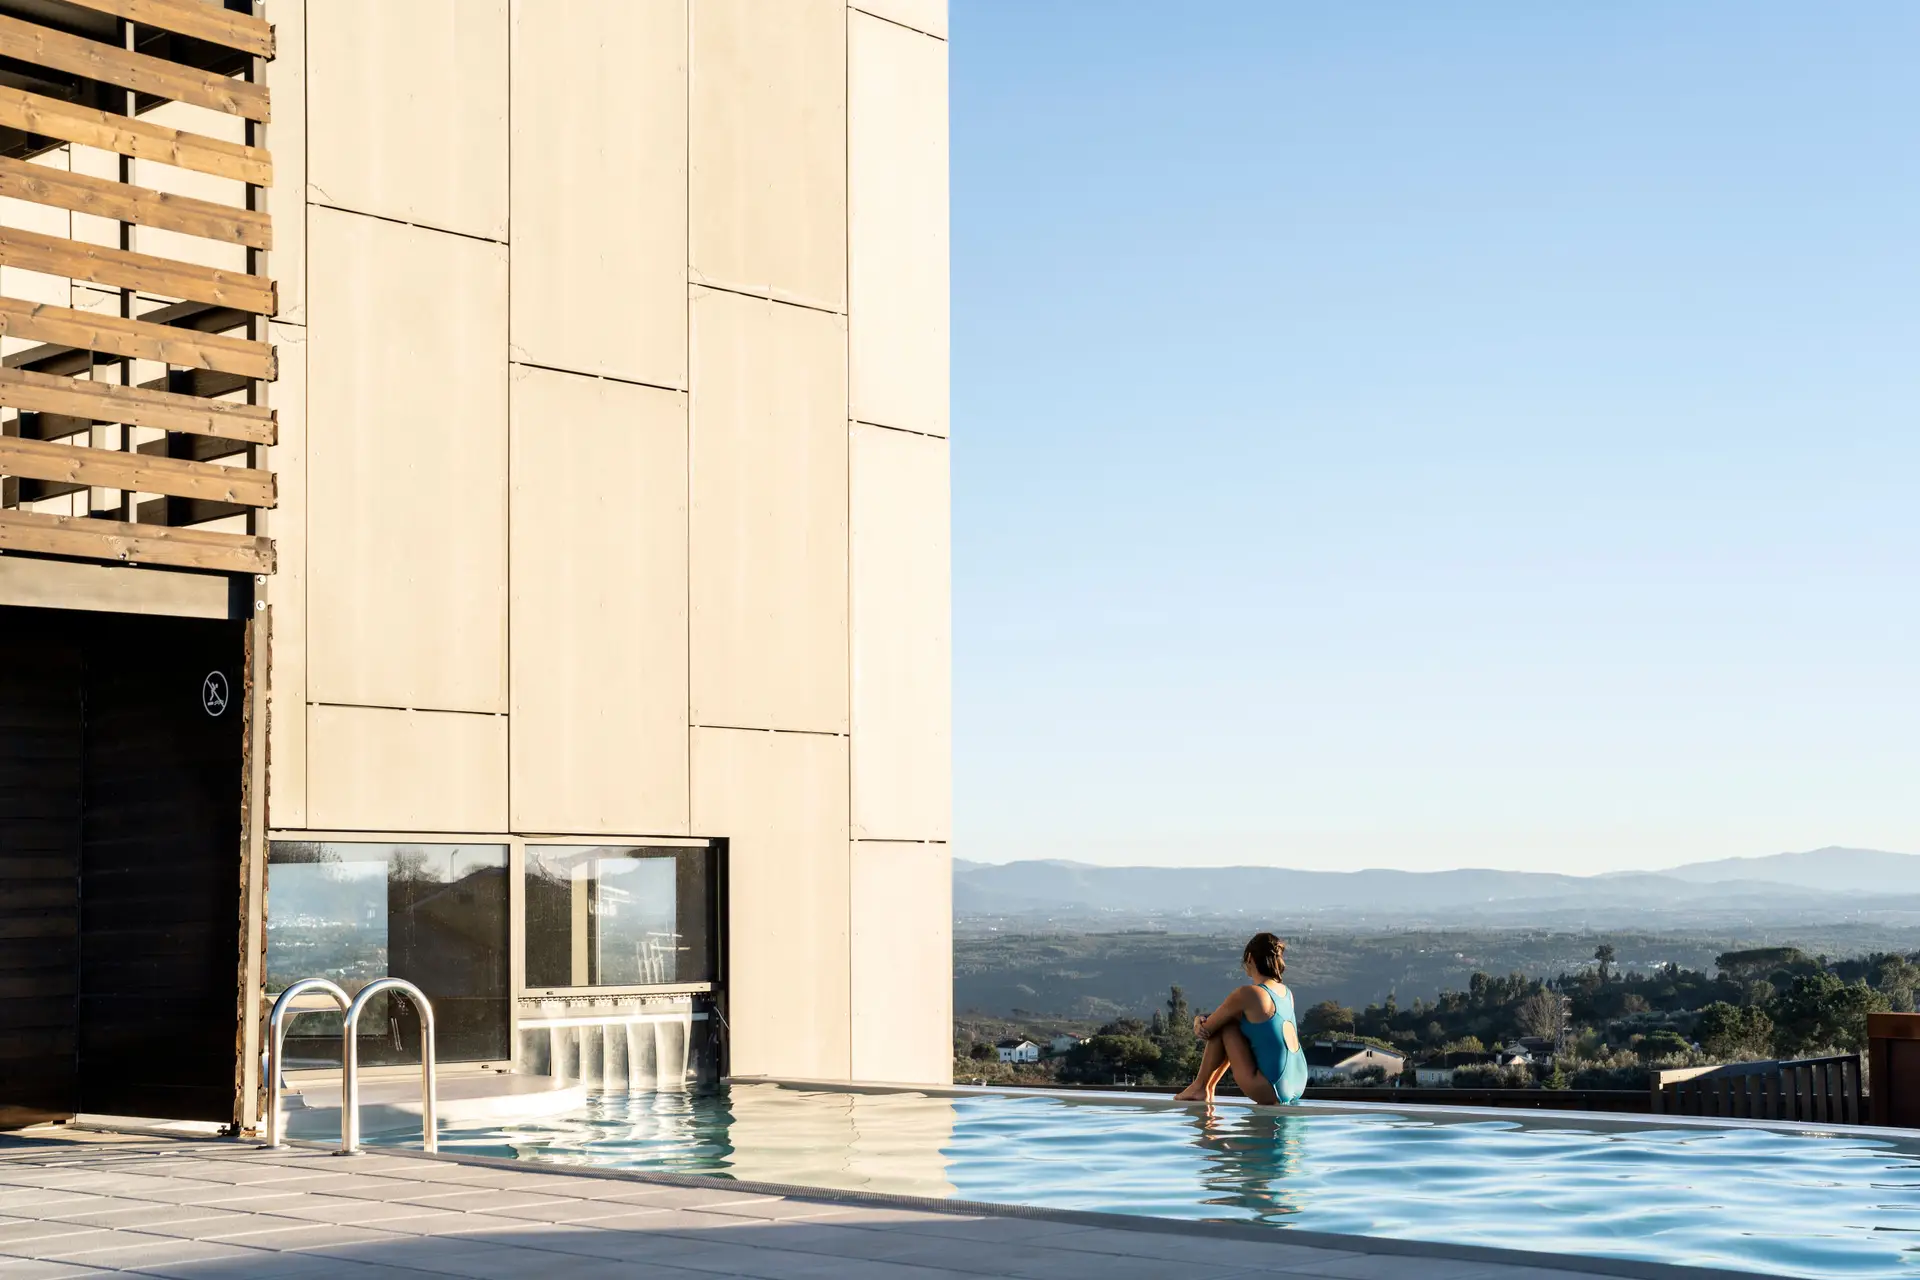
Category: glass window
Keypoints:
(434, 914)
(619, 916)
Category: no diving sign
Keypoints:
(214, 694)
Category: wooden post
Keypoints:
(1893, 1069)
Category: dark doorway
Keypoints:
(121, 757)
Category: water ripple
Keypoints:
(1822, 1205)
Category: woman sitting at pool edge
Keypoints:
(1253, 1033)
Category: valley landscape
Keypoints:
(1069, 940)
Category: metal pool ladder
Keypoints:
(349, 1058)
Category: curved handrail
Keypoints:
(283, 1010)
(350, 1073)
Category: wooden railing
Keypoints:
(1820, 1090)
(133, 379)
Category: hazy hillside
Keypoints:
(1101, 975)
(1827, 884)
(1832, 870)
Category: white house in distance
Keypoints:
(1437, 1073)
(1339, 1060)
(1018, 1051)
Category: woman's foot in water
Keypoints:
(1195, 1092)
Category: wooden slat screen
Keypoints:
(133, 381)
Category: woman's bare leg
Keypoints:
(1213, 1065)
(1246, 1071)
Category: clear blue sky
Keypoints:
(1424, 435)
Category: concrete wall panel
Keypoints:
(286, 590)
(375, 769)
(902, 637)
(768, 166)
(898, 237)
(599, 635)
(902, 957)
(407, 104)
(781, 799)
(407, 467)
(599, 187)
(287, 138)
(929, 16)
(769, 518)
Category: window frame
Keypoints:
(518, 992)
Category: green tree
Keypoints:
(1896, 978)
(1772, 965)
(1329, 1017)
(1542, 1013)
(1661, 1044)
(1124, 1054)
(1818, 1011)
(1732, 1031)
(1603, 956)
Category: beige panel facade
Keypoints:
(375, 769)
(97, 588)
(407, 111)
(599, 187)
(599, 634)
(902, 636)
(407, 467)
(286, 199)
(768, 168)
(927, 16)
(902, 957)
(583, 531)
(286, 589)
(768, 542)
(781, 800)
(897, 203)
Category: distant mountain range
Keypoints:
(1822, 883)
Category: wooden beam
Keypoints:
(82, 537)
(130, 136)
(197, 382)
(136, 406)
(112, 469)
(119, 269)
(136, 339)
(193, 18)
(199, 448)
(143, 73)
(179, 513)
(122, 202)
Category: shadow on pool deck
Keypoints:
(77, 1204)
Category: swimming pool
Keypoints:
(1831, 1204)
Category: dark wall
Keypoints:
(135, 980)
(41, 746)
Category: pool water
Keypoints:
(1832, 1204)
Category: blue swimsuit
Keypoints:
(1284, 1068)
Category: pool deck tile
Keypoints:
(75, 1203)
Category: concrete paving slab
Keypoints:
(34, 1269)
(204, 1210)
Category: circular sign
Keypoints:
(213, 693)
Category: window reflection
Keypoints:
(617, 915)
(434, 914)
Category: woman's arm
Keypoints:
(1207, 1025)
